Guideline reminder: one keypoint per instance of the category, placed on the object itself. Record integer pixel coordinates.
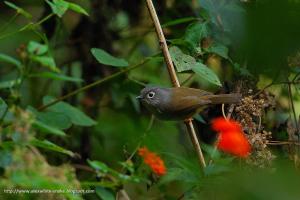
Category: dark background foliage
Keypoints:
(49, 49)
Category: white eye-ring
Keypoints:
(151, 94)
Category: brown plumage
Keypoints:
(181, 103)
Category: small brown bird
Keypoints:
(181, 103)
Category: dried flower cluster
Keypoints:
(250, 112)
(262, 156)
(231, 137)
(251, 109)
(153, 161)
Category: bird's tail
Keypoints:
(225, 98)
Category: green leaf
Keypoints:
(37, 48)
(56, 76)
(195, 33)
(206, 73)
(173, 174)
(179, 42)
(209, 5)
(214, 169)
(5, 158)
(99, 166)
(182, 62)
(46, 61)
(199, 118)
(179, 21)
(10, 83)
(11, 60)
(76, 116)
(18, 9)
(47, 128)
(77, 8)
(218, 49)
(29, 26)
(104, 194)
(128, 166)
(59, 7)
(45, 144)
(105, 58)
(58, 120)
(212, 151)
(3, 107)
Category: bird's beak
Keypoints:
(139, 97)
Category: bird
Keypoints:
(180, 103)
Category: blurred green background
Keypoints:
(250, 47)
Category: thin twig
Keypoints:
(11, 20)
(230, 111)
(141, 140)
(293, 107)
(122, 195)
(84, 168)
(223, 111)
(259, 124)
(173, 77)
(188, 79)
(163, 44)
(278, 83)
(283, 143)
(101, 81)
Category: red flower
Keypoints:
(231, 137)
(153, 161)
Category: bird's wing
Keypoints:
(189, 98)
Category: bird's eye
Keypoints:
(150, 95)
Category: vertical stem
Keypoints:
(293, 107)
(196, 144)
(174, 79)
(163, 44)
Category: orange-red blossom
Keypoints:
(153, 161)
(231, 137)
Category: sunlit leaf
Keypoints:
(36, 48)
(182, 62)
(206, 73)
(46, 61)
(218, 49)
(18, 9)
(59, 7)
(99, 166)
(45, 144)
(105, 58)
(195, 33)
(77, 8)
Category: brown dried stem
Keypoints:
(174, 79)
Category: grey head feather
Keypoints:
(154, 98)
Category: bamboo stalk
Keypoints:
(174, 79)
